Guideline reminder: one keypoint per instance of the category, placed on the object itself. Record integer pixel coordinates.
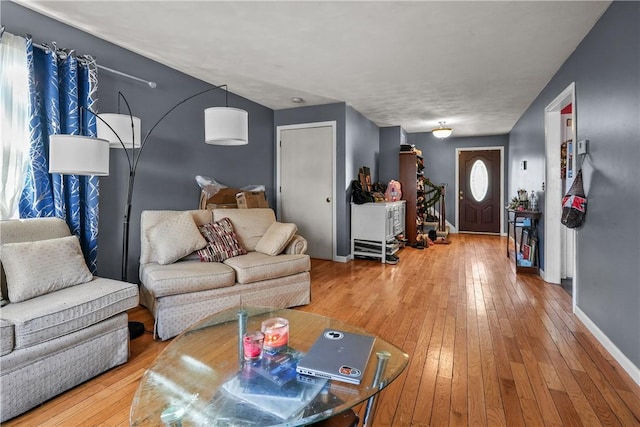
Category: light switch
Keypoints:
(582, 146)
(523, 165)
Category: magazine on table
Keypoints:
(272, 385)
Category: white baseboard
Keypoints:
(627, 365)
(342, 258)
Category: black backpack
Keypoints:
(358, 194)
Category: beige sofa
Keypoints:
(62, 326)
(181, 293)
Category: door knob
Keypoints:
(328, 200)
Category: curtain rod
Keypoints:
(152, 85)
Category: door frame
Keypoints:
(457, 192)
(553, 191)
(333, 125)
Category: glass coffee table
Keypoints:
(192, 381)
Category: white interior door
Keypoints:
(306, 185)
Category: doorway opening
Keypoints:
(561, 169)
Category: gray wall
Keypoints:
(362, 147)
(440, 160)
(606, 70)
(389, 165)
(175, 153)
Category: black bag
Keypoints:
(359, 195)
(574, 204)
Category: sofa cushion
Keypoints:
(185, 276)
(70, 309)
(148, 219)
(248, 224)
(6, 337)
(276, 238)
(175, 238)
(43, 266)
(29, 230)
(256, 266)
(222, 242)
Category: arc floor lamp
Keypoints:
(83, 155)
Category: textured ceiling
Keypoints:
(478, 65)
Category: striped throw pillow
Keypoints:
(222, 242)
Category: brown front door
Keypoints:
(479, 197)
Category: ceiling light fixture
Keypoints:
(443, 131)
(297, 100)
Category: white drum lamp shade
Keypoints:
(121, 124)
(78, 155)
(226, 126)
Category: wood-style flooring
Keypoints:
(486, 347)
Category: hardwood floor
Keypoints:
(486, 347)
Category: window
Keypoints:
(14, 131)
(479, 180)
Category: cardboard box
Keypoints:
(251, 199)
(224, 198)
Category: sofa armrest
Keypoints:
(6, 337)
(297, 245)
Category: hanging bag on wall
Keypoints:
(574, 204)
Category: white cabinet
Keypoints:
(374, 227)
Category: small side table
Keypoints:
(531, 230)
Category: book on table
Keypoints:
(272, 385)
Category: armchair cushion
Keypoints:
(276, 238)
(68, 310)
(175, 238)
(38, 268)
(222, 242)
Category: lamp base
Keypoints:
(135, 329)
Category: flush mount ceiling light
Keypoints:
(443, 131)
(297, 100)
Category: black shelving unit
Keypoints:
(527, 222)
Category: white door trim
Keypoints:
(333, 125)
(457, 192)
(554, 191)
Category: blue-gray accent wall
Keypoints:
(606, 70)
(440, 160)
(176, 151)
(389, 165)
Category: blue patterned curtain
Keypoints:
(59, 84)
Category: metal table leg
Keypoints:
(383, 358)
